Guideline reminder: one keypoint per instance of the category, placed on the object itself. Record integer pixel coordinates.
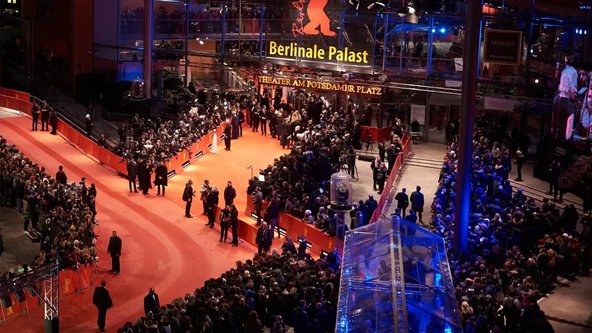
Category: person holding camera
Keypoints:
(204, 190)
(188, 195)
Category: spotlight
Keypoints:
(433, 30)
(536, 81)
(411, 7)
(201, 42)
(442, 30)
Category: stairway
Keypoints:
(414, 161)
(538, 195)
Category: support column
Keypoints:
(148, 32)
(467, 115)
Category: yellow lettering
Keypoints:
(272, 48)
(321, 54)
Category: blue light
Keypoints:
(433, 30)
(585, 32)
(442, 30)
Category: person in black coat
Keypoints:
(211, 203)
(61, 176)
(229, 194)
(151, 303)
(102, 300)
(402, 201)
(45, 117)
(224, 223)
(227, 135)
(417, 202)
(53, 121)
(234, 224)
(114, 249)
(132, 173)
(35, 115)
(161, 177)
(188, 195)
(263, 239)
(144, 173)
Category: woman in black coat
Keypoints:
(161, 179)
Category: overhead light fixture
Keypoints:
(377, 4)
(411, 7)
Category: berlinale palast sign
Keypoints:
(312, 20)
(320, 85)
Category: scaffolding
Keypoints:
(43, 282)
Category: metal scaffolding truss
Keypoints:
(42, 282)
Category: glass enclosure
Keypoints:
(396, 278)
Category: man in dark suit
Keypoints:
(227, 135)
(402, 201)
(417, 202)
(103, 302)
(45, 117)
(229, 194)
(188, 195)
(263, 239)
(151, 303)
(161, 178)
(61, 176)
(132, 173)
(114, 249)
(234, 224)
(35, 115)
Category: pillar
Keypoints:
(467, 119)
(148, 32)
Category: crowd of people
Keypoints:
(517, 247)
(274, 292)
(61, 212)
(321, 140)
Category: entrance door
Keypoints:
(437, 121)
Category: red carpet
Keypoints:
(161, 248)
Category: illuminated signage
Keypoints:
(314, 52)
(502, 47)
(317, 18)
(321, 85)
(312, 20)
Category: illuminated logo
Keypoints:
(317, 19)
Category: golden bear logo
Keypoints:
(317, 19)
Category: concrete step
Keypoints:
(538, 195)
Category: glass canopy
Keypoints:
(396, 278)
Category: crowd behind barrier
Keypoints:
(273, 291)
(60, 214)
(517, 248)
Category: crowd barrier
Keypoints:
(21, 101)
(318, 241)
(384, 197)
(71, 281)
